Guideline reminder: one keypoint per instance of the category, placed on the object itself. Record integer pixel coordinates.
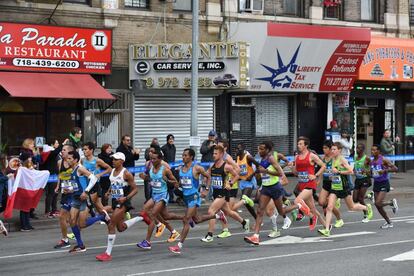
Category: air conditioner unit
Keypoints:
(253, 6)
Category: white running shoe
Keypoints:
(286, 223)
(387, 225)
(394, 206)
(274, 234)
(365, 220)
(3, 229)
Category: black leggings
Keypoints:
(51, 198)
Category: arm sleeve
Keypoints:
(92, 182)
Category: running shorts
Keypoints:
(362, 183)
(274, 191)
(127, 204)
(193, 200)
(157, 197)
(383, 186)
(77, 203)
(65, 202)
(221, 193)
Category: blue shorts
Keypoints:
(193, 200)
(65, 202)
(77, 203)
(243, 184)
(157, 197)
(274, 191)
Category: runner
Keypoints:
(339, 188)
(78, 187)
(362, 180)
(304, 168)
(99, 168)
(122, 190)
(65, 172)
(220, 208)
(380, 167)
(3, 229)
(158, 177)
(270, 172)
(326, 183)
(189, 180)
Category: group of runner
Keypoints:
(79, 185)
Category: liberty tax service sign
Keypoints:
(302, 58)
(27, 47)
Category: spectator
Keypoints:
(75, 136)
(25, 224)
(387, 145)
(49, 157)
(3, 181)
(131, 154)
(105, 155)
(347, 144)
(207, 148)
(147, 150)
(169, 151)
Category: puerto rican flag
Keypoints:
(25, 190)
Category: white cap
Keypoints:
(118, 156)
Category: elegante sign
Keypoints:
(303, 58)
(388, 59)
(163, 66)
(27, 47)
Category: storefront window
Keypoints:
(409, 128)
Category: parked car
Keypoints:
(225, 80)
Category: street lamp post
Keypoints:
(194, 78)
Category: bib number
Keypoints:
(217, 182)
(186, 183)
(375, 171)
(336, 183)
(156, 184)
(327, 173)
(265, 180)
(117, 191)
(71, 186)
(243, 170)
(359, 174)
(303, 177)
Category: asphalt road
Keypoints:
(355, 249)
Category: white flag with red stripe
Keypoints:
(26, 190)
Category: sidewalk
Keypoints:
(402, 183)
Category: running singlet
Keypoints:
(359, 166)
(328, 171)
(157, 181)
(65, 176)
(218, 176)
(245, 168)
(78, 183)
(119, 187)
(90, 165)
(337, 179)
(304, 169)
(268, 179)
(377, 165)
(189, 184)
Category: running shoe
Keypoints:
(107, 217)
(252, 240)
(365, 220)
(300, 217)
(286, 223)
(274, 234)
(338, 203)
(78, 249)
(324, 232)
(50, 215)
(246, 227)
(248, 200)
(25, 229)
(207, 238)
(339, 223)
(175, 249)
(160, 230)
(224, 234)
(222, 216)
(127, 215)
(173, 237)
(3, 229)
(303, 207)
(294, 215)
(104, 257)
(71, 236)
(387, 225)
(144, 245)
(394, 206)
(370, 213)
(312, 222)
(287, 202)
(62, 244)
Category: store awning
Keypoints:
(50, 85)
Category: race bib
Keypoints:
(265, 179)
(69, 185)
(217, 182)
(243, 170)
(359, 173)
(186, 182)
(303, 177)
(117, 191)
(375, 171)
(327, 173)
(336, 183)
(156, 183)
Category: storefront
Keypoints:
(40, 96)
(293, 70)
(160, 78)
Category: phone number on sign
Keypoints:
(45, 63)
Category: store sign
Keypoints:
(167, 66)
(388, 59)
(44, 48)
(342, 100)
(303, 58)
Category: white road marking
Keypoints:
(189, 238)
(350, 234)
(269, 258)
(411, 221)
(407, 256)
(292, 239)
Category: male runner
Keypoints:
(189, 181)
(122, 189)
(362, 180)
(380, 167)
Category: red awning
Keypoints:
(49, 85)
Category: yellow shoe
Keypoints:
(160, 230)
(173, 237)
